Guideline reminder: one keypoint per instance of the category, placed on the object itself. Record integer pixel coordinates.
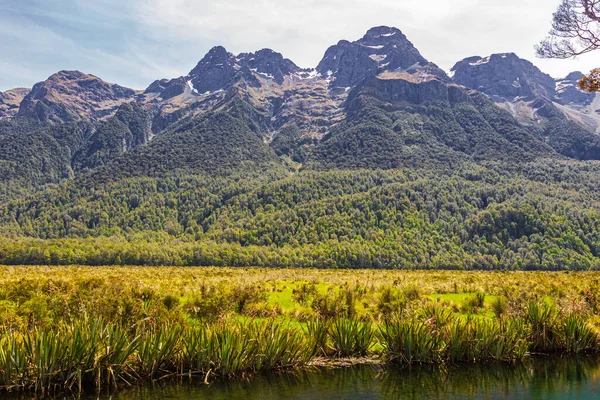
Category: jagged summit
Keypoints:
(381, 49)
(215, 71)
(573, 76)
(566, 117)
(382, 33)
(10, 101)
(270, 64)
(73, 95)
(504, 76)
(568, 92)
(219, 70)
(507, 77)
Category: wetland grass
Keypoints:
(88, 329)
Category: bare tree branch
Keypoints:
(575, 31)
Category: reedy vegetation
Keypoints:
(100, 328)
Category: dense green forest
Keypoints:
(541, 215)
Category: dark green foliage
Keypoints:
(225, 143)
(31, 157)
(530, 216)
(571, 139)
(436, 133)
(127, 130)
(219, 144)
(375, 138)
(369, 146)
(523, 140)
(288, 142)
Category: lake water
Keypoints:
(539, 379)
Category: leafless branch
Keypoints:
(575, 30)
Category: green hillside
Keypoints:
(542, 215)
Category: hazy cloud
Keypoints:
(134, 42)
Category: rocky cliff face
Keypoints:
(276, 89)
(565, 117)
(568, 93)
(579, 106)
(409, 89)
(504, 77)
(523, 89)
(381, 49)
(69, 96)
(11, 100)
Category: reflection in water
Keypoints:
(540, 378)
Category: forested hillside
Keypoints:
(541, 215)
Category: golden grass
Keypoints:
(57, 322)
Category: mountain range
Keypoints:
(372, 105)
(316, 116)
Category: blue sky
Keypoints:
(133, 42)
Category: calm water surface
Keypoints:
(541, 379)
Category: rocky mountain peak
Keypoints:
(71, 96)
(220, 69)
(217, 56)
(573, 76)
(269, 63)
(381, 49)
(568, 92)
(382, 35)
(215, 71)
(503, 77)
(11, 100)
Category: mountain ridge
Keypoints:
(566, 118)
(356, 98)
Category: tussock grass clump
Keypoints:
(479, 340)
(579, 336)
(553, 331)
(476, 301)
(104, 355)
(351, 337)
(318, 332)
(499, 306)
(545, 335)
(411, 341)
(456, 340)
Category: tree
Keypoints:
(575, 31)
(591, 82)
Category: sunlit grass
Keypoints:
(72, 328)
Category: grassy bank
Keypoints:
(83, 328)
